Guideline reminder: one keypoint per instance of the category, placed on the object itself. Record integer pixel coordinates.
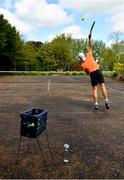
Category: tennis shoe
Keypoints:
(96, 106)
(107, 106)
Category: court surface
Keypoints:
(96, 138)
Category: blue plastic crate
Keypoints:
(33, 122)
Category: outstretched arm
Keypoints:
(90, 35)
(90, 41)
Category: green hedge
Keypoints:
(42, 73)
(108, 73)
(51, 73)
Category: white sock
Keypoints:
(106, 100)
(96, 103)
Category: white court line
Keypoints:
(7, 91)
(74, 112)
(116, 90)
(48, 89)
(86, 112)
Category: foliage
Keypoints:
(10, 44)
(115, 53)
(119, 68)
(46, 57)
(57, 54)
(62, 50)
(108, 59)
(118, 49)
(98, 50)
(42, 73)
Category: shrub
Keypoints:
(119, 68)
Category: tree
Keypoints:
(108, 59)
(116, 37)
(77, 46)
(57, 54)
(115, 53)
(98, 49)
(29, 61)
(62, 50)
(119, 51)
(46, 57)
(8, 44)
(117, 44)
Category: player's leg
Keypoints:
(95, 96)
(94, 82)
(103, 88)
(105, 95)
(104, 91)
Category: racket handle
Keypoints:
(90, 35)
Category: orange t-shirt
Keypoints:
(89, 63)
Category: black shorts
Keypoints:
(96, 78)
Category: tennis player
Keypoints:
(91, 67)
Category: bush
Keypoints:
(42, 73)
(119, 68)
(119, 71)
(108, 73)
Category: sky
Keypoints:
(42, 20)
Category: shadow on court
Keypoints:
(96, 138)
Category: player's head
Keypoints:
(81, 56)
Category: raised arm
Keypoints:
(90, 35)
(90, 41)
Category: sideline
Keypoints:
(115, 90)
